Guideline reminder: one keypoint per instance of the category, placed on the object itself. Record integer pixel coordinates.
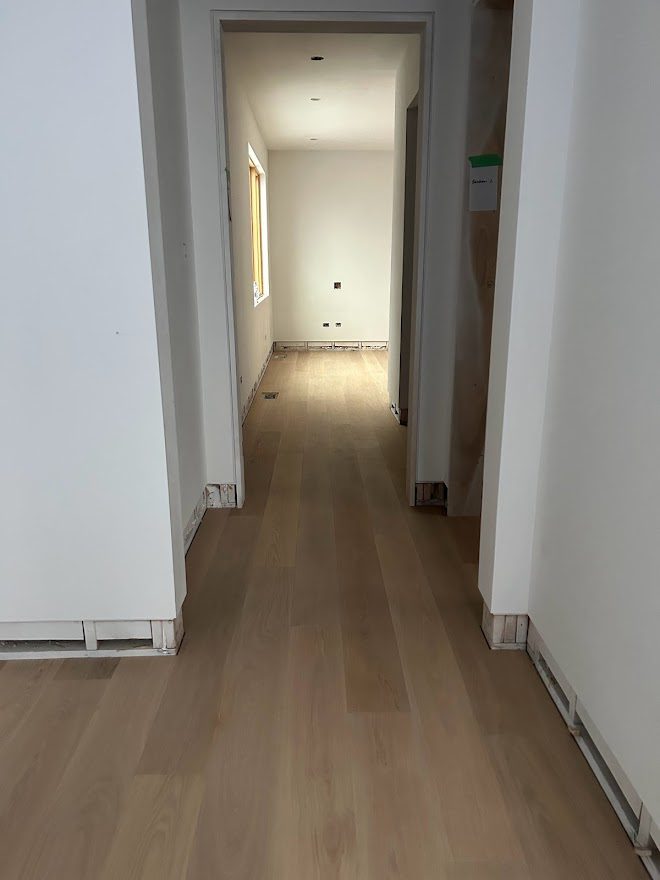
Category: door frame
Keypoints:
(421, 23)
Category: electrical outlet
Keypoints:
(337, 285)
(337, 323)
(326, 323)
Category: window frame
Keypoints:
(258, 228)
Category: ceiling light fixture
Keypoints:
(317, 58)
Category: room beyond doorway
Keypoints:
(323, 115)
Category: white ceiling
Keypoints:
(355, 83)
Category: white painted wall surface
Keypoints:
(330, 220)
(176, 221)
(446, 149)
(254, 325)
(85, 523)
(595, 586)
(533, 185)
(407, 86)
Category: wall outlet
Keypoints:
(337, 323)
(337, 285)
(326, 323)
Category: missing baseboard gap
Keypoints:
(253, 391)
(194, 522)
(220, 495)
(626, 803)
(214, 495)
(55, 640)
(329, 345)
(432, 494)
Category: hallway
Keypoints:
(334, 711)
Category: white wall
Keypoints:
(85, 520)
(595, 587)
(171, 144)
(446, 150)
(254, 325)
(330, 220)
(405, 89)
(533, 184)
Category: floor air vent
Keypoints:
(270, 395)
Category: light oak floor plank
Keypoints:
(334, 712)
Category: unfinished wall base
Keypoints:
(194, 522)
(431, 494)
(253, 390)
(57, 640)
(505, 632)
(639, 825)
(221, 495)
(214, 495)
(320, 345)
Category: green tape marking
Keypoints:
(486, 160)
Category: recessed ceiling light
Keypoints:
(314, 99)
(317, 58)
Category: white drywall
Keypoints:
(330, 220)
(445, 147)
(406, 87)
(537, 137)
(174, 202)
(254, 324)
(595, 590)
(85, 520)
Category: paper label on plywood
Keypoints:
(483, 188)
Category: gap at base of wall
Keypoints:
(57, 640)
(215, 495)
(431, 494)
(505, 632)
(401, 415)
(637, 822)
(312, 345)
(253, 391)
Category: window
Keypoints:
(258, 227)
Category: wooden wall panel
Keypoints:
(489, 77)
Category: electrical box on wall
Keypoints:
(484, 181)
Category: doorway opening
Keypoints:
(320, 142)
(325, 107)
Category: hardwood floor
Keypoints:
(334, 711)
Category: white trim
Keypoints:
(422, 22)
(111, 630)
(91, 640)
(70, 651)
(263, 217)
(225, 242)
(38, 630)
(159, 284)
